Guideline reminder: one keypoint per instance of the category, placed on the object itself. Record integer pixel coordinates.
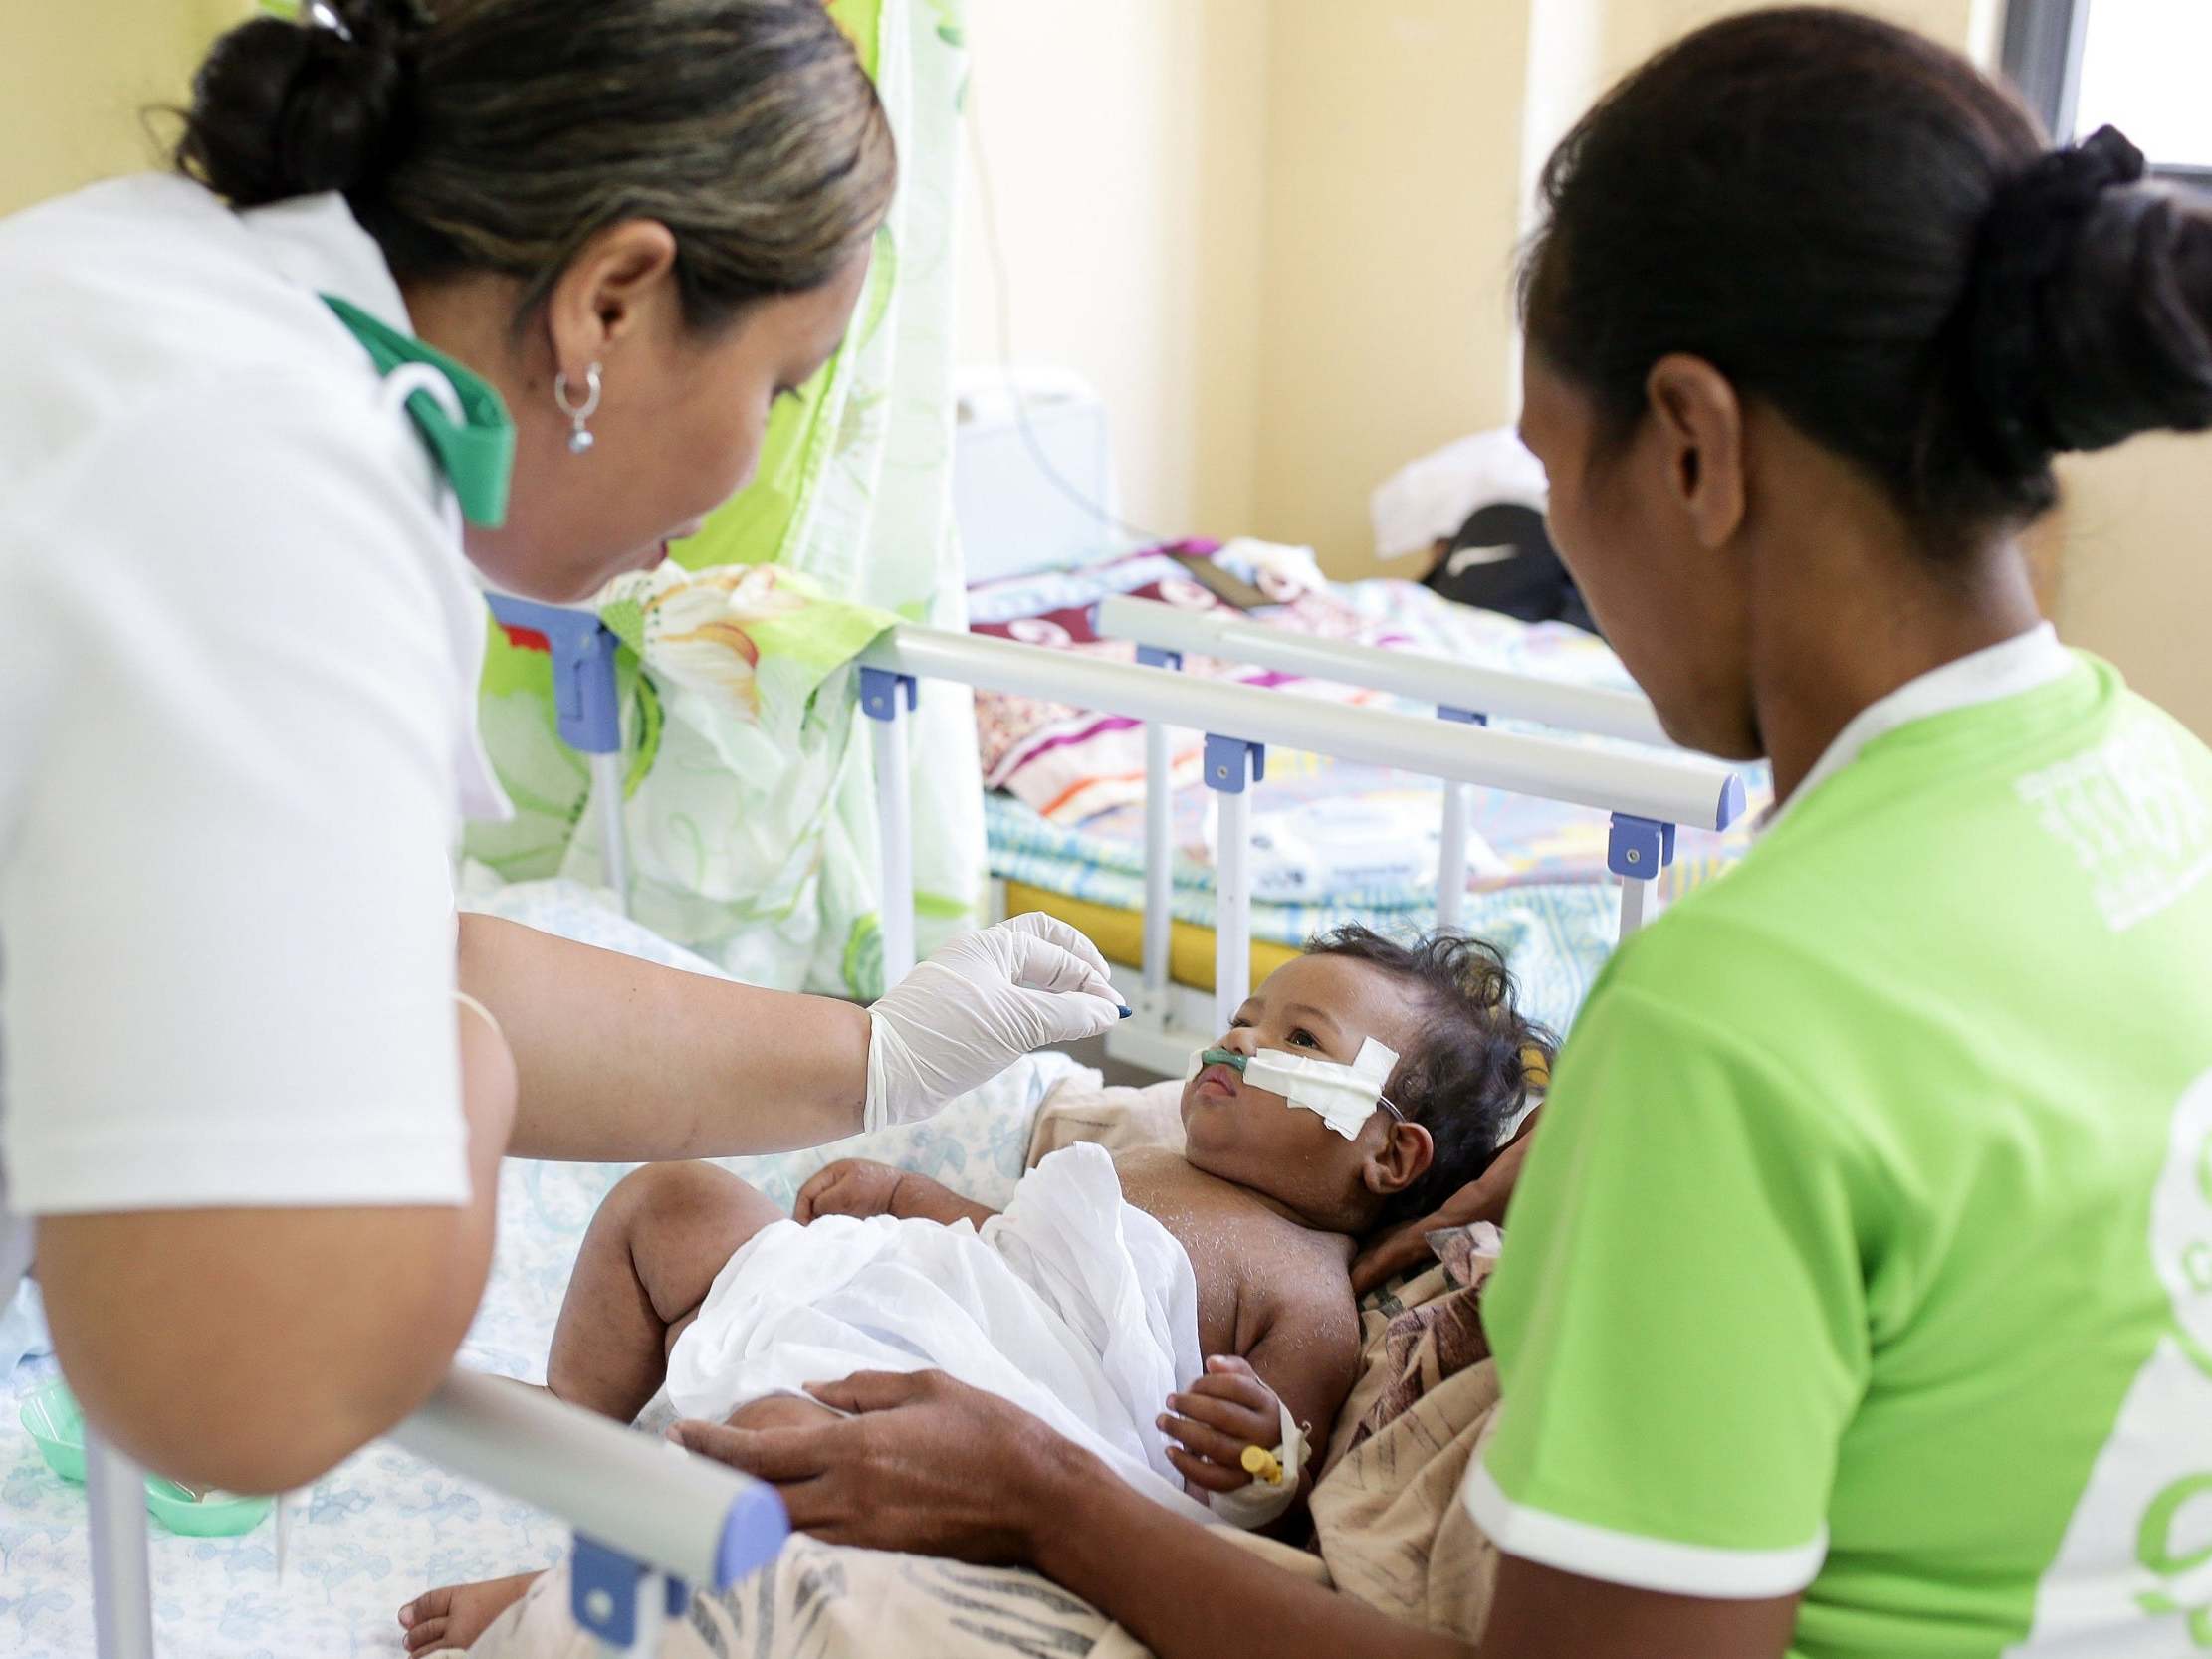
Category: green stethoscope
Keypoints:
(476, 449)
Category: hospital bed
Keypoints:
(1648, 790)
(1081, 823)
(1638, 848)
(1074, 805)
(1648, 793)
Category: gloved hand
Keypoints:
(977, 1005)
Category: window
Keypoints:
(2135, 64)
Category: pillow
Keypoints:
(1116, 1118)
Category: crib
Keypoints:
(1650, 791)
(1639, 848)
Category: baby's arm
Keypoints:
(1307, 1356)
(861, 1186)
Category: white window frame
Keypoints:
(2042, 55)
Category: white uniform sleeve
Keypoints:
(226, 926)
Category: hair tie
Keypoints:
(389, 25)
(2026, 236)
(323, 15)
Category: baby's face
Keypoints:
(1324, 1006)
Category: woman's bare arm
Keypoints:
(625, 1060)
(255, 1347)
(930, 1465)
(1189, 1592)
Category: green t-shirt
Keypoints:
(1866, 1245)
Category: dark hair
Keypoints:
(1856, 226)
(1470, 1073)
(501, 136)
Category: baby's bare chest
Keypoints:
(1249, 1260)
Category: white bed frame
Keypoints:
(1172, 1018)
(1649, 791)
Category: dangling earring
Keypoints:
(579, 414)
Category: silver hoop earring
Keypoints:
(579, 414)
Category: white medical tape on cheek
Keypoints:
(1344, 1096)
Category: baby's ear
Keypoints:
(1402, 1158)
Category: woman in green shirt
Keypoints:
(1858, 1292)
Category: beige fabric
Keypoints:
(1116, 1118)
(1392, 1528)
(830, 1601)
(1386, 1510)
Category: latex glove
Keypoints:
(977, 1006)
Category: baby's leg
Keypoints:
(780, 1411)
(648, 1261)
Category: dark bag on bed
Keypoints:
(1502, 561)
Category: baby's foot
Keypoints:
(459, 1613)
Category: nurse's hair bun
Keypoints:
(285, 108)
(2090, 315)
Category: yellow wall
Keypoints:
(2136, 567)
(75, 76)
(1394, 133)
(1635, 28)
(1124, 146)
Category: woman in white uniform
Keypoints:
(515, 287)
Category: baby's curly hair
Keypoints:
(1472, 1069)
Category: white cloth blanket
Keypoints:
(1073, 1304)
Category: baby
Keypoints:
(1237, 1248)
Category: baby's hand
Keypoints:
(850, 1187)
(1227, 1410)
